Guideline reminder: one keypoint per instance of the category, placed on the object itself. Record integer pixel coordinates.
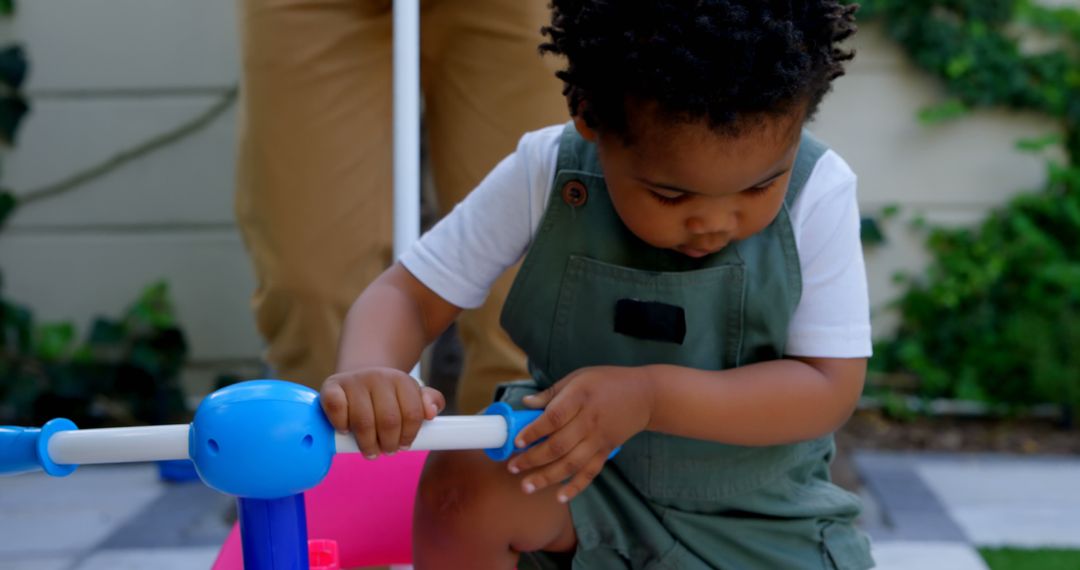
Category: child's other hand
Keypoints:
(383, 407)
(589, 413)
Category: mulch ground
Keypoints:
(873, 430)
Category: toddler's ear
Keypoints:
(583, 129)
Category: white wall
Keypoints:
(109, 73)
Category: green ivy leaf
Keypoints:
(959, 65)
(23, 390)
(7, 8)
(870, 231)
(145, 358)
(1038, 144)
(54, 341)
(942, 112)
(66, 383)
(13, 66)
(153, 309)
(12, 110)
(7, 205)
(106, 332)
(17, 327)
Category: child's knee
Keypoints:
(452, 488)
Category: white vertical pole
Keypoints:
(406, 128)
(406, 124)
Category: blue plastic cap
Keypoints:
(50, 428)
(262, 439)
(515, 422)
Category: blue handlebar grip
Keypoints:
(515, 422)
(27, 449)
(18, 450)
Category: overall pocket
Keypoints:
(584, 330)
(671, 470)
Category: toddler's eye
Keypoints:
(758, 190)
(667, 197)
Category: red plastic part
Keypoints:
(323, 554)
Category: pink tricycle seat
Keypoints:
(366, 506)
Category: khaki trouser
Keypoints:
(314, 172)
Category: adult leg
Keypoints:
(472, 513)
(313, 171)
(485, 85)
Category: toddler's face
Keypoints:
(688, 188)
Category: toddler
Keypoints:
(692, 289)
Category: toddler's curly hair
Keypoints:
(728, 62)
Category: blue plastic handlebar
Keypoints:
(27, 449)
(262, 439)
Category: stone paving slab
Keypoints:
(1006, 501)
(192, 558)
(907, 509)
(917, 555)
(39, 563)
(930, 510)
(45, 517)
(185, 514)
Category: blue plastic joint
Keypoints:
(51, 428)
(261, 439)
(515, 422)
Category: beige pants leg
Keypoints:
(484, 86)
(314, 170)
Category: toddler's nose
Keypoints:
(722, 224)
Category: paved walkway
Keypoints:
(108, 518)
(1002, 503)
(924, 512)
(932, 510)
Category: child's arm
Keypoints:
(385, 331)
(596, 409)
(768, 403)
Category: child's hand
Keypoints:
(589, 413)
(383, 407)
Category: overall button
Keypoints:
(575, 193)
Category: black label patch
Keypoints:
(650, 320)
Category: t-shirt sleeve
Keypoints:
(832, 319)
(491, 228)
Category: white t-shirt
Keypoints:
(492, 228)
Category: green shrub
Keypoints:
(996, 316)
(125, 371)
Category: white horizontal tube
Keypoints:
(452, 432)
(160, 443)
(119, 445)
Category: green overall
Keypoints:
(667, 501)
